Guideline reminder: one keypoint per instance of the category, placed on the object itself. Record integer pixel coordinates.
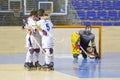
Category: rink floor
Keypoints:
(11, 68)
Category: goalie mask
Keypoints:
(88, 29)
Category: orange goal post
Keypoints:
(63, 34)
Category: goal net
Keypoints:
(63, 34)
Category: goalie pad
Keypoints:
(75, 41)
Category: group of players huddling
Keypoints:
(39, 38)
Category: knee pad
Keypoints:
(31, 51)
(37, 50)
(51, 50)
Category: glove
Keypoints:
(44, 32)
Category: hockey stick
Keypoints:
(88, 54)
(40, 46)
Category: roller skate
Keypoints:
(47, 67)
(37, 65)
(32, 67)
(27, 66)
(51, 65)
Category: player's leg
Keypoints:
(37, 64)
(75, 57)
(29, 59)
(51, 65)
(95, 52)
(48, 59)
(75, 52)
(84, 55)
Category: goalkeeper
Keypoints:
(87, 42)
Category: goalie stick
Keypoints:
(89, 54)
(40, 46)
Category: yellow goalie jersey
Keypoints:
(75, 40)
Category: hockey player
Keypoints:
(87, 41)
(47, 45)
(45, 22)
(47, 38)
(30, 26)
(75, 40)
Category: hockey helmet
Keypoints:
(88, 29)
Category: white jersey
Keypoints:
(45, 25)
(47, 41)
(30, 42)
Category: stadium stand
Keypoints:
(85, 4)
(102, 15)
(94, 12)
(91, 15)
(107, 4)
(82, 15)
(99, 12)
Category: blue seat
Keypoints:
(81, 15)
(116, 23)
(96, 23)
(76, 4)
(113, 15)
(96, 4)
(107, 4)
(102, 15)
(86, 23)
(85, 4)
(116, 4)
(107, 24)
(91, 15)
(119, 15)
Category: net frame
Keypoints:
(99, 28)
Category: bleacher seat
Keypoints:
(76, 4)
(85, 4)
(96, 23)
(81, 15)
(112, 15)
(102, 15)
(119, 15)
(91, 15)
(116, 4)
(116, 23)
(107, 24)
(107, 4)
(96, 4)
(86, 23)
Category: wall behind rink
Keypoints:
(12, 39)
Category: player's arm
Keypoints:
(38, 28)
(25, 25)
(45, 17)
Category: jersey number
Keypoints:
(47, 27)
